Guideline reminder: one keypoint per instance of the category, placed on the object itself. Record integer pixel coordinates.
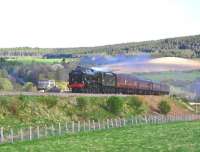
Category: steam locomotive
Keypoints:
(87, 80)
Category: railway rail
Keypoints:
(66, 94)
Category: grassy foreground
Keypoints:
(181, 137)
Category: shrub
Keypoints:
(164, 107)
(135, 102)
(115, 104)
(82, 103)
(5, 84)
(50, 101)
(29, 87)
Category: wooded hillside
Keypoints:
(180, 47)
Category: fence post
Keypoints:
(111, 121)
(136, 121)
(66, 128)
(59, 128)
(2, 135)
(108, 123)
(79, 126)
(11, 134)
(146, 119)
(30, 130)
(116, 125)
(21, 135)
(52, 129)
(99, 123)
(46, 130)
(93, 124)
(89, 125)
(38, 132)
(124, 121)
(84, 126)
(104, 127)
(72, 126)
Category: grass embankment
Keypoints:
(32, 110)
(30, 60)
(183, 137)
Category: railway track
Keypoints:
(66, 94)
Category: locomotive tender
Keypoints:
(86, 80)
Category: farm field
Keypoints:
(180, 136)
(171, 75)
(30, 60)
(154, 65)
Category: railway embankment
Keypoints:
(24, 110)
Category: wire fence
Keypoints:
(11, 135)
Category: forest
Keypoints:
(188, 47)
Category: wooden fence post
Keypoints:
(108, 123)
(111, 121)
(124, 121)
(38, 132)
(93, 124)
(21, 134)
(30, 132)
(11, 135)
(59, 129)
(99, 124)
(84, 126)
(52, 129)
(2, 135)
(66, 127)
(89, 125)
(46, 133)
(104, 126)
(72, 126)
(116, 125)
(79, 126)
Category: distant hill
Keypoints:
(154, 65)
(188, 47)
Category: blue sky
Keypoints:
(74, 23)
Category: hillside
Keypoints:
(155, 65)
(31, 110)
(188, 46)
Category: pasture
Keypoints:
(181, 136)
(30, 60)
(171, 75)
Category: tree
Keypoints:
(164, 107)
(115, 105)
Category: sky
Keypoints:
(76, 23)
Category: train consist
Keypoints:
(86, 80)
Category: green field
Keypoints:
(180, 137)
(171, 75)
(29, 60)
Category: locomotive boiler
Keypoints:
(87, 80)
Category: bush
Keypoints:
(50, 101)
(5, 84)
(136, 104)
(115, 105)
(164, 107)
(82, 103)
(29, 87)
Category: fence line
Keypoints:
(10, 135)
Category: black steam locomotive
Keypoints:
(86, 80)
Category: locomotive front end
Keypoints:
(76, 83)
